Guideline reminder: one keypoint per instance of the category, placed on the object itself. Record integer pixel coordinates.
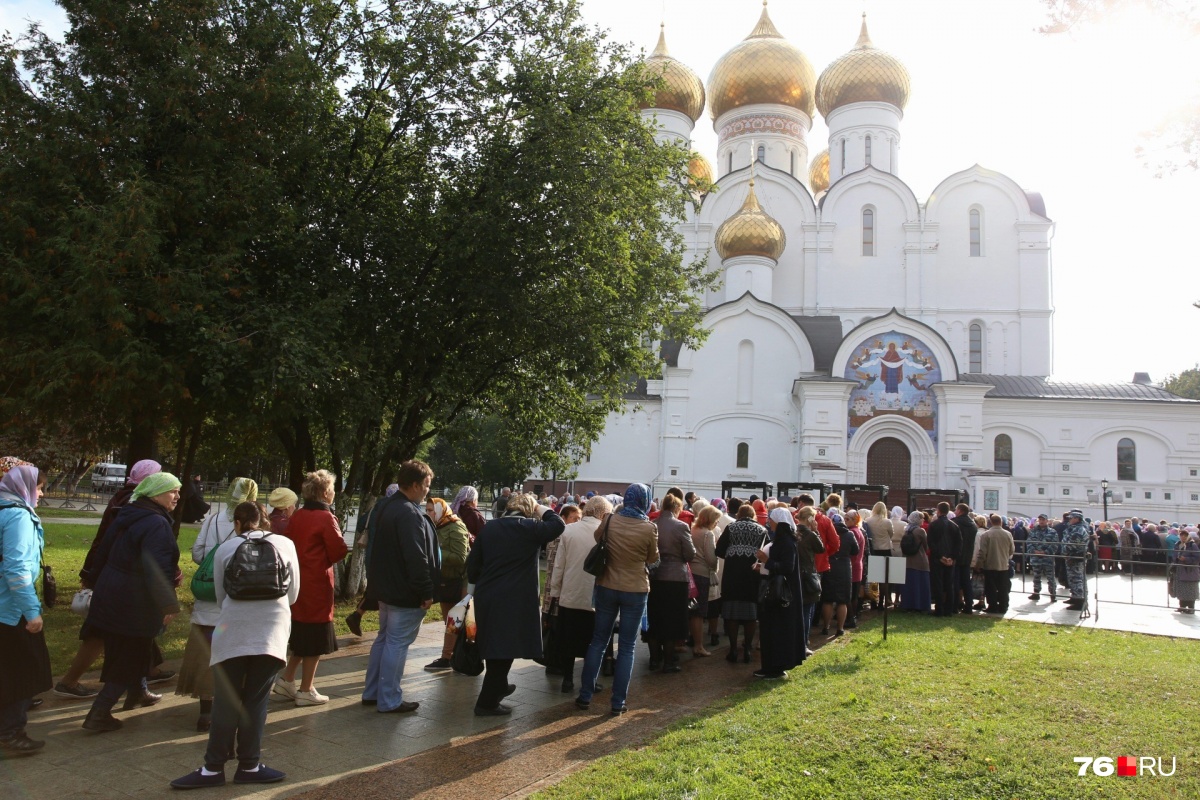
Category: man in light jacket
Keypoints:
(996, 548)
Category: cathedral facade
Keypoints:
(863, 335)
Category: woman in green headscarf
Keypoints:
(134, 597)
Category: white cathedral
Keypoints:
(865, 336)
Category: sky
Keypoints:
(1060, 114)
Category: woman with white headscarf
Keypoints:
(779, 625)
(899, 526)
(25, 666)
(466, 507)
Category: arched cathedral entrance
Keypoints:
(889, 462)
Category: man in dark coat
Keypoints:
(968, 530)
(503, 566)
(945, 546)
(403, 565)
(194, 507)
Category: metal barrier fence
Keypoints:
(1145, 582)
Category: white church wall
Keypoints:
(628, 450)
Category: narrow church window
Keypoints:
(976, 233)
(868, 146)
(745, 373)
(792, 162)
(1003, 454)
(843, 156)
(762, 153)
(730, 162)
(743, 455)
(868, 232)
(975, 360)
(1126, 460)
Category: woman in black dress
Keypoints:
(836, 585)
(781, 646)
(739, 545)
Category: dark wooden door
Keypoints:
(890, 463)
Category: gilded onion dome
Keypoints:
(864, 75)
(701, 173)
(818, 173)
(682, 89)
(750, 232)
(763, 68)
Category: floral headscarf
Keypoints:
(391, 489)
(467, 494)
(8, 462)
(20, 484)
(142, 470)
(636, 502)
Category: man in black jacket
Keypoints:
(403, 565)
(945, 545)
(968, 530)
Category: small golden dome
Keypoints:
(682, 89)
(750, 232)
(763, 68)
(864, 75)
(818, 173)
(701, 172)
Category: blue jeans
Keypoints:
(608, 603)
(398, 629)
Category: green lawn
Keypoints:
(66, 547)
(970, 708)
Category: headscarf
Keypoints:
(760, 512)
(442, 515)
(156, 484)
(897, 512)
(391, 489)
(242, 490)
(915, 519)
(782, 515)
(8, 462)
(142, 470)
(20, 483)
(835, 517)
(467, 494)
(282, 497)
(720, 503)
(636, 502)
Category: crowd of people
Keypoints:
(671, 573)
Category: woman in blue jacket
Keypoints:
(25, 665)
(134, 598)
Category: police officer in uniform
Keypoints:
(1075, 538)
(1042, 546)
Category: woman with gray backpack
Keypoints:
(256, 580)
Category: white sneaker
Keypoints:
(311, 698)
(285, 688)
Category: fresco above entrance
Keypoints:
(894, 372)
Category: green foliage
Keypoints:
(347, 226)
(1185, 384)
(966, 708)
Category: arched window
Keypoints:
(868, 232)
(743, 455)
(745, 373)
(976, 232)
(1003, 454)
(762, 153)
(1126, 460)
(730, 162)
(843, 156)
(792, 162)
(975, 349)
(867, 143)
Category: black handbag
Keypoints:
(49, 584)
(597, 558)
(810, 585)
(774, 592)
(466, 658)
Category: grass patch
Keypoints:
(69, 513)
(66, 547)
(967, 708)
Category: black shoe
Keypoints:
(78, 691)
(851, 624)
(567, 686)
(101, 721)
(140, 700)
(438, 665)
(1035, 597)
(35, 702)
(616, 712)
(671, 669)
(731, 656)
(655, 665)
(840, 633)
(19, 745)
(582, 705)
(763, 675)
(714, 640)
(745, 655)
(553, 671)
(263, 774)
(407, 707)
(500, 710)
(204, 723)
(354, 623)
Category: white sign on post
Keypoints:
(877, 564)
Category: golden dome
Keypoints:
(763, 68)
(818, 173)
(701, 172)
(682, 89)
(864, 75)
(750, 232)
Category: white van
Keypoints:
(108, 478)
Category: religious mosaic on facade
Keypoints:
(894, 372)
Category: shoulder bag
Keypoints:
(596, 561)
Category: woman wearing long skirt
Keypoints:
(917, 595)
(781, 647)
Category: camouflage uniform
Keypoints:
(1041, 547)
(1074, 546)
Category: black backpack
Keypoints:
(257, 571)
(908, 544)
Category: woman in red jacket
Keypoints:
(319, 545)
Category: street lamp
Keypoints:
(1104, 495)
